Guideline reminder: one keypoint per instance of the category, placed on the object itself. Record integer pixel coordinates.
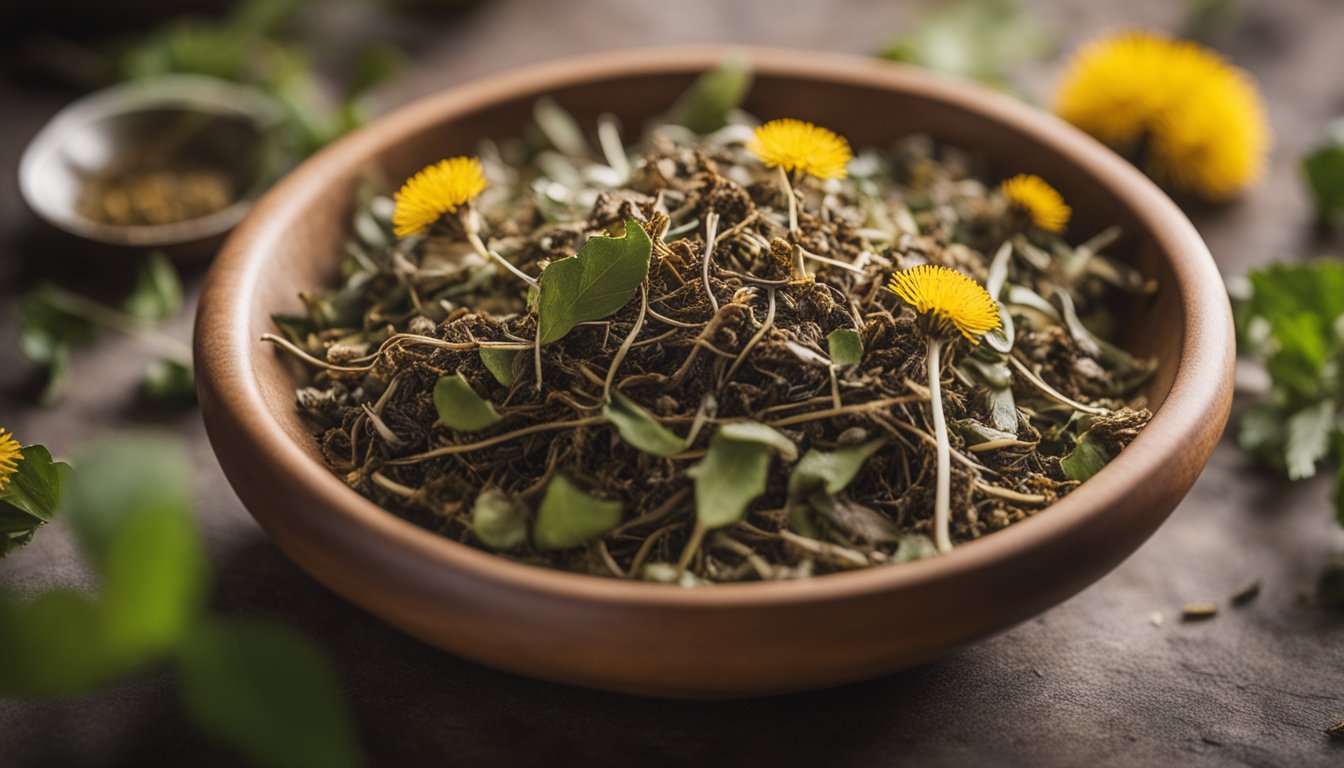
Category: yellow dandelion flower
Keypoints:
(1199, 119)
(796, 145)
(947, 301)
(1040, 201)
(437, 189)
(10, 456)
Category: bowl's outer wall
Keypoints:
(728, 640)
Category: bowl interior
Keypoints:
(146, 127)
(867, 114)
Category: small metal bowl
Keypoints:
(185, 120)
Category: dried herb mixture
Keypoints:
(681, 360)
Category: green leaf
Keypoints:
(47, 328)
(52, 646)
(498, 520)
(705, 106)
(756, 432)
(640, 428)
(460, 407)
(119, 478)
(158, 291)
(568, 517)
(980, 39)
(975, 433)
(732, 474)
(1087, 459)
(845, 346)
(593, 284)
(734, 471)
(130, 507)
(168, 381)
(31, 498)
(268, 693)
(35, 487)
(913, 548)
(830, 471)
(1308, 439)
(1324, 171)
(500, 364)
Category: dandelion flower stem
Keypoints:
(942, 510)
(786, 187)
(471, 223)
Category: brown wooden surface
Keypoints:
(1092, 681)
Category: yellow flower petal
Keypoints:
(437, 189)
(947, 301)
(1039, 200)
(10, 456)
(795, 145)
(1200, 120)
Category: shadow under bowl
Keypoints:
(735, 639)
(175, 123)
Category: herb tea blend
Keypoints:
(729, 355)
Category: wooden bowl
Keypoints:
(736, 639)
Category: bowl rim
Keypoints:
(1200, 389)
(188, 92)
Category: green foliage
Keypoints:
(1086, 459)
(158, 291)
(500, 364)
(640, 428)
(251, 45)
(979, 39)
(568, 517)
(460, 407)
(31, 498)
(705, 106)
(260, 690)
(264, 690)
(1291, 318)
(830, 471)
(499, 521)
(168, 381)
(53, 320)
(593, 284)
(734, 471)
(845, 346)
(1323, 168)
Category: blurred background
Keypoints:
(1102, 679)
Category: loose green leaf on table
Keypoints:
(734, 471)
(168, 381)
(268, 693)
(845, 346)
(499, 520)
(459, 406)
(31, 497)
(569, 517)
(158, 291)
(640, 428)
(592, 284)
(705, 106)
(1324, 171)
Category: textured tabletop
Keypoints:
(1098, 680)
